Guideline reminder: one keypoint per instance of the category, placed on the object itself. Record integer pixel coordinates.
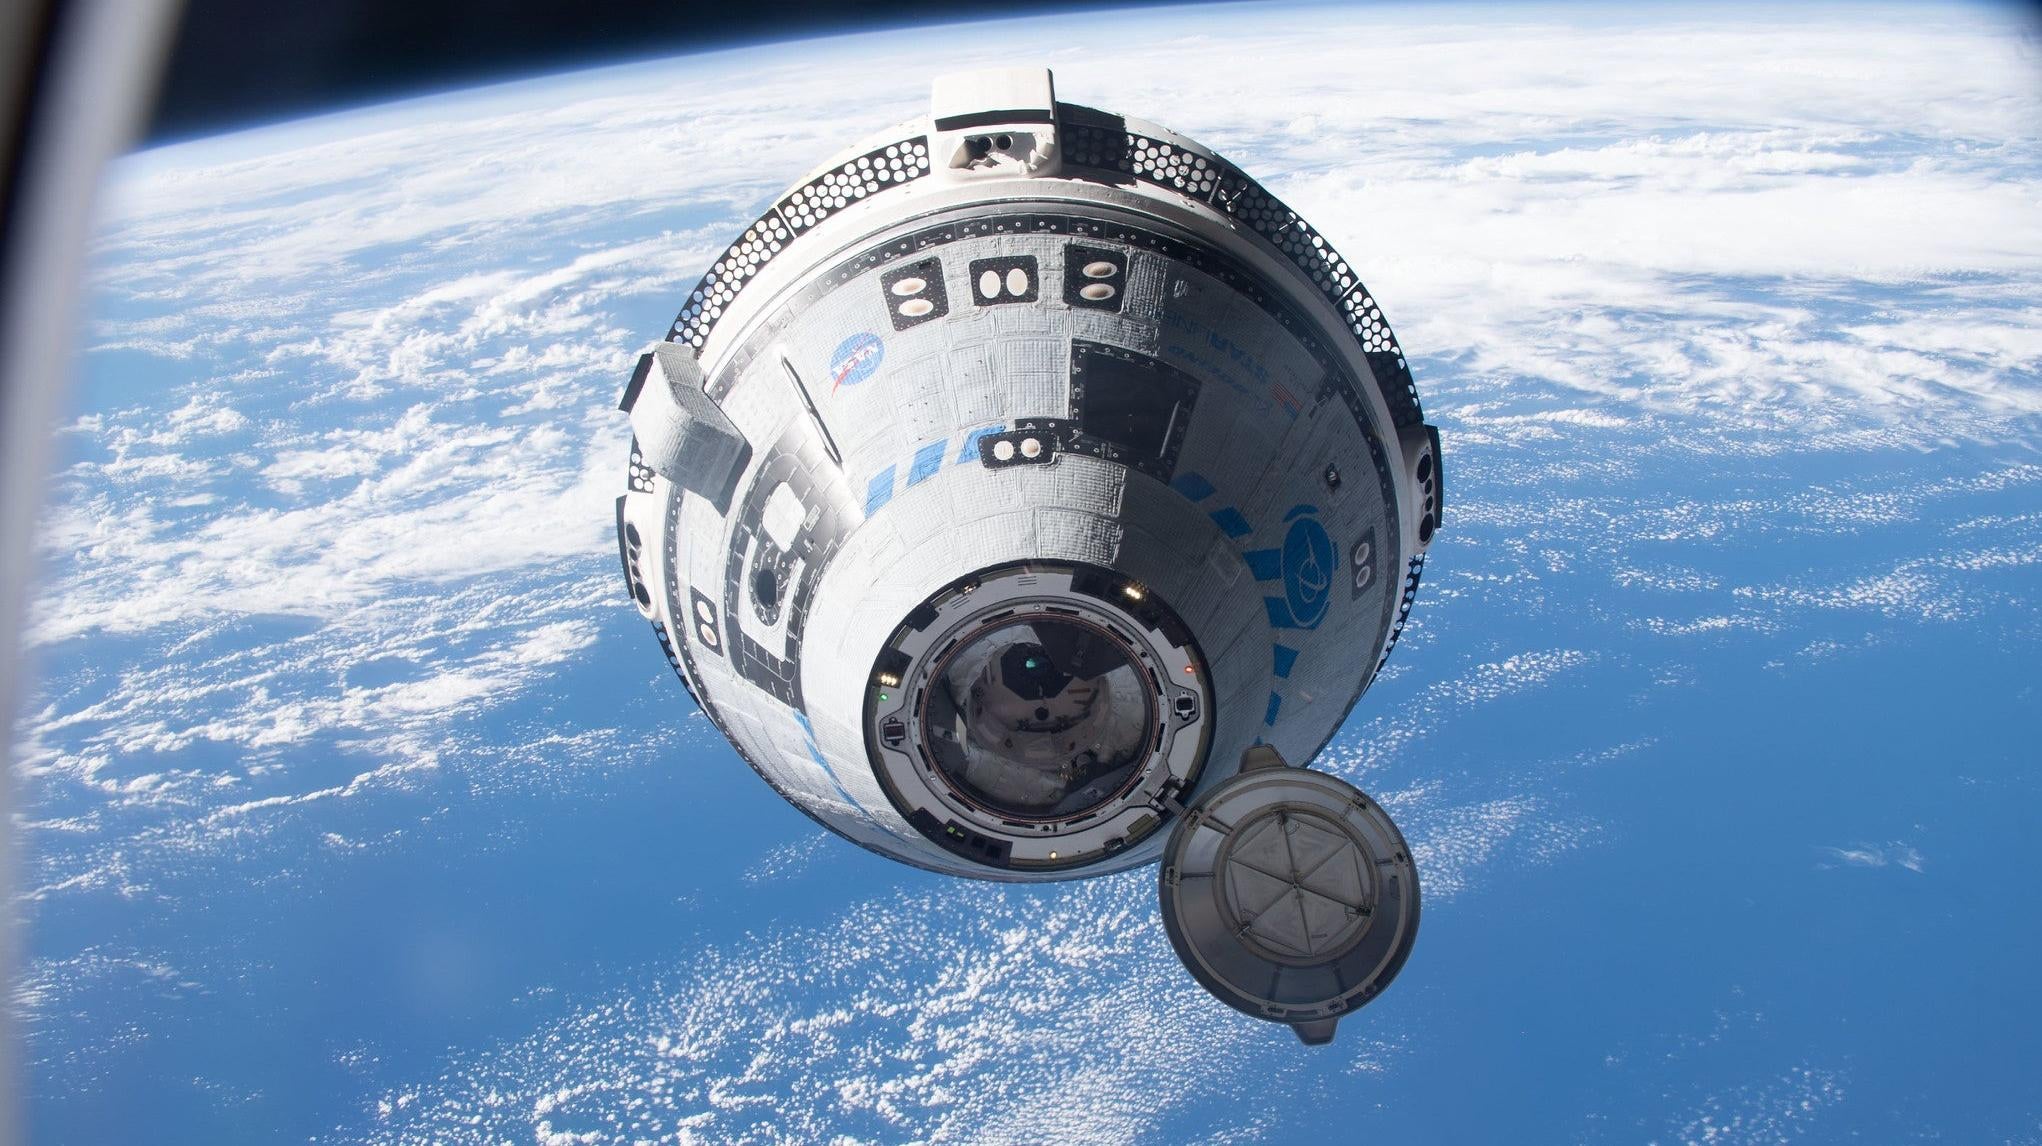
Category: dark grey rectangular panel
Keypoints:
(914, 293)
(1003, 274)
(1130, 408)
(1095, 278)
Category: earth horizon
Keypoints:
(355, 804)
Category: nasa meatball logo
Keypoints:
(1308, 564)
(856, 359)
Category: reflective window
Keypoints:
(1039, 718)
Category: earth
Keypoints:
(358, 805)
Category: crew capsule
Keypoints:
(1019, 495)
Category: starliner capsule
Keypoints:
(1019, 494)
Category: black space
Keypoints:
(238, 62)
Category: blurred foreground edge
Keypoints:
(75, 82)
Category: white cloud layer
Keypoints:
(340, 486)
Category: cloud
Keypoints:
(959, 1013)
(1895, 854)
(1775, 1109)
(343, 491)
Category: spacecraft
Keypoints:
(1024, 495)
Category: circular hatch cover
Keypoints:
(1290, 895)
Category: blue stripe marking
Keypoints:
(1265, 564)
(1279, 613)
(1286, 657)
(1192, 486)
(1275, 702)
(1295, 510)
(969, 452)
(1231, 522)
(815, 754)
(880, 491)
(928, 460)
